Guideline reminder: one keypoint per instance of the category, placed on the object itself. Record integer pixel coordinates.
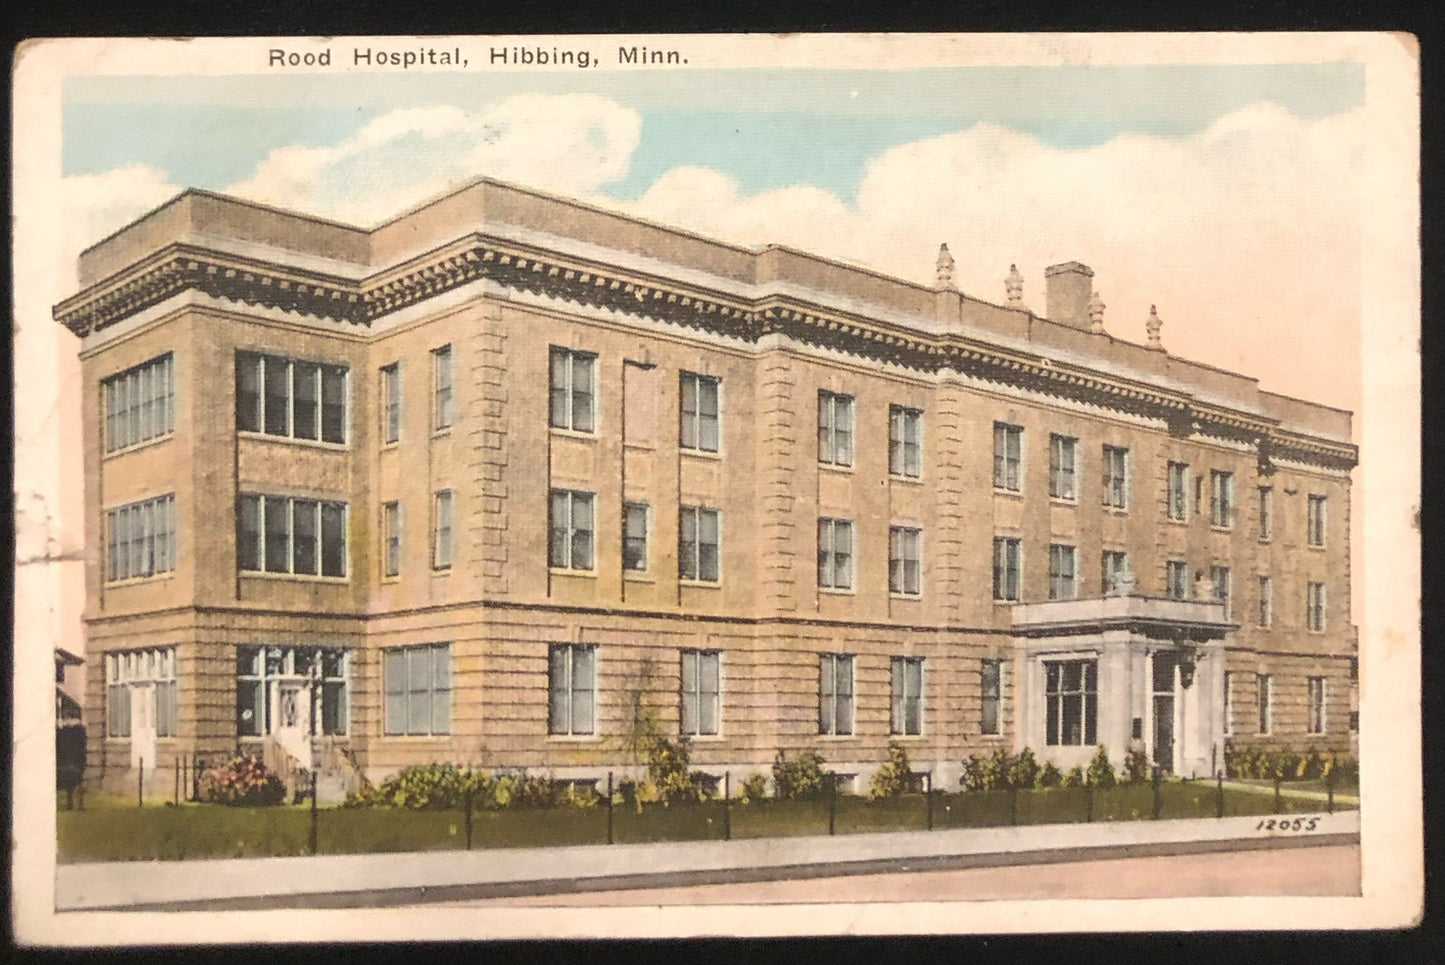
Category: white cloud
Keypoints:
(568, 143)
(95, 205)
(1245, 235)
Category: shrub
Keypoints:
(1049, 776)
(1023, 771)
(1073, 777)
(755, 787)
(1101, 772)
(891, 780)
(986, 773)
(242, 781)
(1136, 767)
(668, 768)
(798, 777)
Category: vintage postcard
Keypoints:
(778, 485)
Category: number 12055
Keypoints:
(1288, 824)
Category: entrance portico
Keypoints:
(1128, 672)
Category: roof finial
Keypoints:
(1152, 326)
(1014, 285)
(1096, 315)
(943, 277)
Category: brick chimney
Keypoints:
(1069, 288)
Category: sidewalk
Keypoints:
(375, 880)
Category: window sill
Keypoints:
(391, 580)
(906, 480)
(909, 597)
(638, 576)
(1009, 493)
(1265, 540)
(998, 602)
(412, 738)
(1116, 510)
(137, 447)
(441, 571)
(837, 591)
(1316, 547)
(834, 467)
(701, 584)
(574, 738)
(1215, 528)
(908, 737)
(441, 433)
(577, 434)
(705, 738)
(837, 738)
(293, 441)
(295, 577)
(1071, 503)
(141, 580)
(1176, 521)
(714, 456)
(565, 571)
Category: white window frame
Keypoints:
(1264, 703)
(1008, 457)
(1227, 723)
(694, 426)
(693, 707)
(905, 560)
(569, 688)
(1221, 581)
(1063, 467)
(437, 690)
(567, 526)
(1116, 477)
(443, 528)
(1266, 513)
(1063, 580)
(571, 390)
(127, 671)
(266, 504)
(141, 539)
(1056, 702)
(1176, 504)
(318, 372)
(645, 509)
(835, 672)
(391, 539)
(991, 694)
(1112, 565)
(1316, 520)
(1265, 616)
(907, 708)
(1315, 724)
(1008, 555)
(1221, 498)
(690, 567)
(443, 389)
(1179, 568)
(1315, 602)
(836, 553)
(905, 442)
(837, 429)
(139, 403)
(391, 403)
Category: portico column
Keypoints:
(1116, 693)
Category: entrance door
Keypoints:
(292, 722)
(143, 726)
(1164, 666)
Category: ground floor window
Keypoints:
(992, 694)
(1263, 697)
(701, 679)
(835, 693)
(572, 689)
(907, 695)
(418, 684)
(1071, 692)
(1317, 705)
(262, 706)
(133, 677)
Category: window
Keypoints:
(1226, 721)
(391, 402)
(1116, 477)
(573, 380)
(1006, 569)
(572, 686)
(991, 691)
(391, 539)
(259, 667)
(634, 537)
(1317, 705)
(835, 554)
(1264, 700)
(418, 690)
(700, 690)
(441, 555)
(907, 717)
(1114, 564)
(1008, 442)
(148, 674)
(1062, 582)
(835, 429)
(1178, 490)
(699, 413)
(1316, 521)
(443, 404)
(570, 546)
(835, 693)
(1176, 579)
(1221, 498)
(1072, 702)
(1266, 512)
(140, 403)
(698, 541)
(290, 398)
(140, 539)
(1062, 451)
(281, 534)
(1266, 601)
(1315, 606)
(905, 442)
(905, 560)
(1219, 580)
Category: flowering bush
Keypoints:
(801, 776)
(755, 787)
(242, 781)
(447, 787)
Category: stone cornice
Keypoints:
(181, 267)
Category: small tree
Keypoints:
(1136, 767)
(641, 723)
(1101, 772)
(798, 777)
(1023, 771)
(891, 779)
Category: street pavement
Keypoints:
(381, 880)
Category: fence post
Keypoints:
(1158, 802)
(928, 792)
(1219, 794)
(1013, 805)
(469, 818)
(1088, 800)
(1330, 790)
(832, 802)
(140, 772)
(1277, 801)
(609, 807)
(311, 839)
(178, 780)
(727, 806)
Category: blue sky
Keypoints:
(765, 128)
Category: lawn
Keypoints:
(110, 830)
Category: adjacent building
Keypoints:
(468, 485)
